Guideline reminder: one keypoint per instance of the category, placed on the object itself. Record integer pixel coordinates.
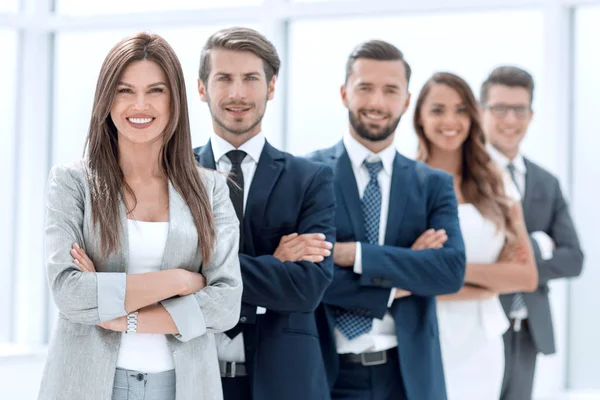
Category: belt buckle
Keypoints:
(229, 370)
(366, 363)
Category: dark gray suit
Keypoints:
(545, 210)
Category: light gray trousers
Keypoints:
(135, 385)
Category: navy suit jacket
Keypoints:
(288, 194)
(420, 198)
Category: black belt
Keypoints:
(370, 359)
(232, 369)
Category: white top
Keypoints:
(232, 350)
(383, 333)
(467, 325)
(145, 352)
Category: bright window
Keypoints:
(8, 136)
(469, 44)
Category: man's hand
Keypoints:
(400, 293)
(307, 247)
(430, 239)
(116, 325)
(344, 254)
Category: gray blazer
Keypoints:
(82, 356)
(546, 210)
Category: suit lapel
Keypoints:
(398, 198)
(180, 234)
(529, 189)
(269, 168)
(348, 189)
(121, 258)
(205, 156)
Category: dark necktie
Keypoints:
(236, 187)
(511, 169)
(236, 193)
(518, 302)
(352, 324)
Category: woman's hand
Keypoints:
(192, 282)
(116, 325)
(81, 259)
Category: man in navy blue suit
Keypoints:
(398, 245)
(286, 207)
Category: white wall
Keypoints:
(20, 372)
(584, 357)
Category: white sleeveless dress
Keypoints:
(471, 330)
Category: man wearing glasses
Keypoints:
(506, 98)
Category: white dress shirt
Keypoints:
(232, 350)
(544, 241)
(383, 333)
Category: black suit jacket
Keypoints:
(288, 194)
(546, 210)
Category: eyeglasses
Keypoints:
(501, 110)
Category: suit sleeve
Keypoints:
(82, 297)
(291, 287)
(429, 272)
(567, 259)
(346, 292)
(216, 308)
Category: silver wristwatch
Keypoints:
(132, 322)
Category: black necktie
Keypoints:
(236, 193)
(236, 187)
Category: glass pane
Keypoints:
(8, 49)
(585, 319)
(77, 68)
(78, 7)
(438, 42)
(9, 6)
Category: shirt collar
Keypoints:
(502, 161)
(252, 147)
(359, 153)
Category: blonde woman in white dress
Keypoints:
(499, 256)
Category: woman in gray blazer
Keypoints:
(141, 244)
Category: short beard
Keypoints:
(238, 131)
(362, 130)
(231, 130)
